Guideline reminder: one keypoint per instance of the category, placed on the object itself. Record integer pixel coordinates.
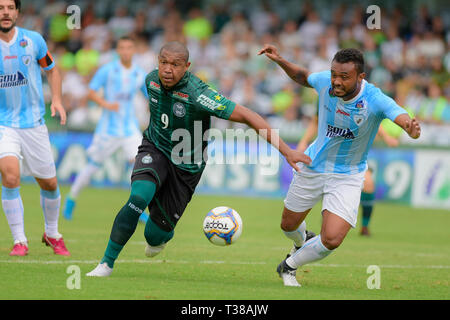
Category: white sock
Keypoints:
(82, 179)
(13, 208)
(50, 203)
(298, 236)
(312, 250)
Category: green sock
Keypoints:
(127, 219)
(112, 252)
(367, 200)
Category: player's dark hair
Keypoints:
(176, 47)
(18, 4)
(351, 55)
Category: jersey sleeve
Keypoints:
(212, 102)
(43, 56)
(387, 107)
(99, 79)
(142, 80)
(318, 80)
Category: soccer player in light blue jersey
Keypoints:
(24, 140)
(118, 127)
(350, 113)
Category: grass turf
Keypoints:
(410, 246)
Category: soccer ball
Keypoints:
(222, 226)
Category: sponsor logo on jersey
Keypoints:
(26, 59)
(181, 95)
(13, 80)
(339, 132)
(179, 110)
(359, 119)
(210, 103)
(9, 57)
(360, 104)
(331, 92)
(154, 85)
(153, 100)
(339, 111)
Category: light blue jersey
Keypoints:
(119, 85)
(346, 129)
(21, 97)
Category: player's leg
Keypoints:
(168, 207)
(340, 211)
(129, 146)
(12, 203)
(304, 192)
(38, 162)
(367, 202)
(100, 149)
(146, 179)
(334, 229)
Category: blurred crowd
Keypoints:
(408, 58)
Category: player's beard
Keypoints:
(8, 29)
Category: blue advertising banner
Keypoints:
(250, 167)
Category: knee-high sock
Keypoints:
(51, 203)
(298, 235)
(13, 208)
(82, 179)
(312, 250)
(124, 225)
(367, 201)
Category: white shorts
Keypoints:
(32, 147)
(103, 146)
(341, 193)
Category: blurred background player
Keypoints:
(118, 127)
(368, 190)
(24, 137)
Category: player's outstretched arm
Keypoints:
(55, 83)
(411, 126)
(94, 96)
(295, 72)
(309, 135)
(254, 120)
(389, 140)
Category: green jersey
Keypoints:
(180, 116)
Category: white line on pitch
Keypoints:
(139, 261)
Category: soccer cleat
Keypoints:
(309, 235)
(57, 245)
(365, 231)
(102, 270)
(287, 274)
(68, 208)
(143, 217)
(19, 249)
(151, 251)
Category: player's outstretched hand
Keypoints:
(413, 128)
(57, 107)
(270, 51)
(295, 156)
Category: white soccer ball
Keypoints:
(222, 226)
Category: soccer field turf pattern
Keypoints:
(409, 247)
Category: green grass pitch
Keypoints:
(410, 247)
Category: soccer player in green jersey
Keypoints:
(164, 175)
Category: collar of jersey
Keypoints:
(354, 99)
(13, 40)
